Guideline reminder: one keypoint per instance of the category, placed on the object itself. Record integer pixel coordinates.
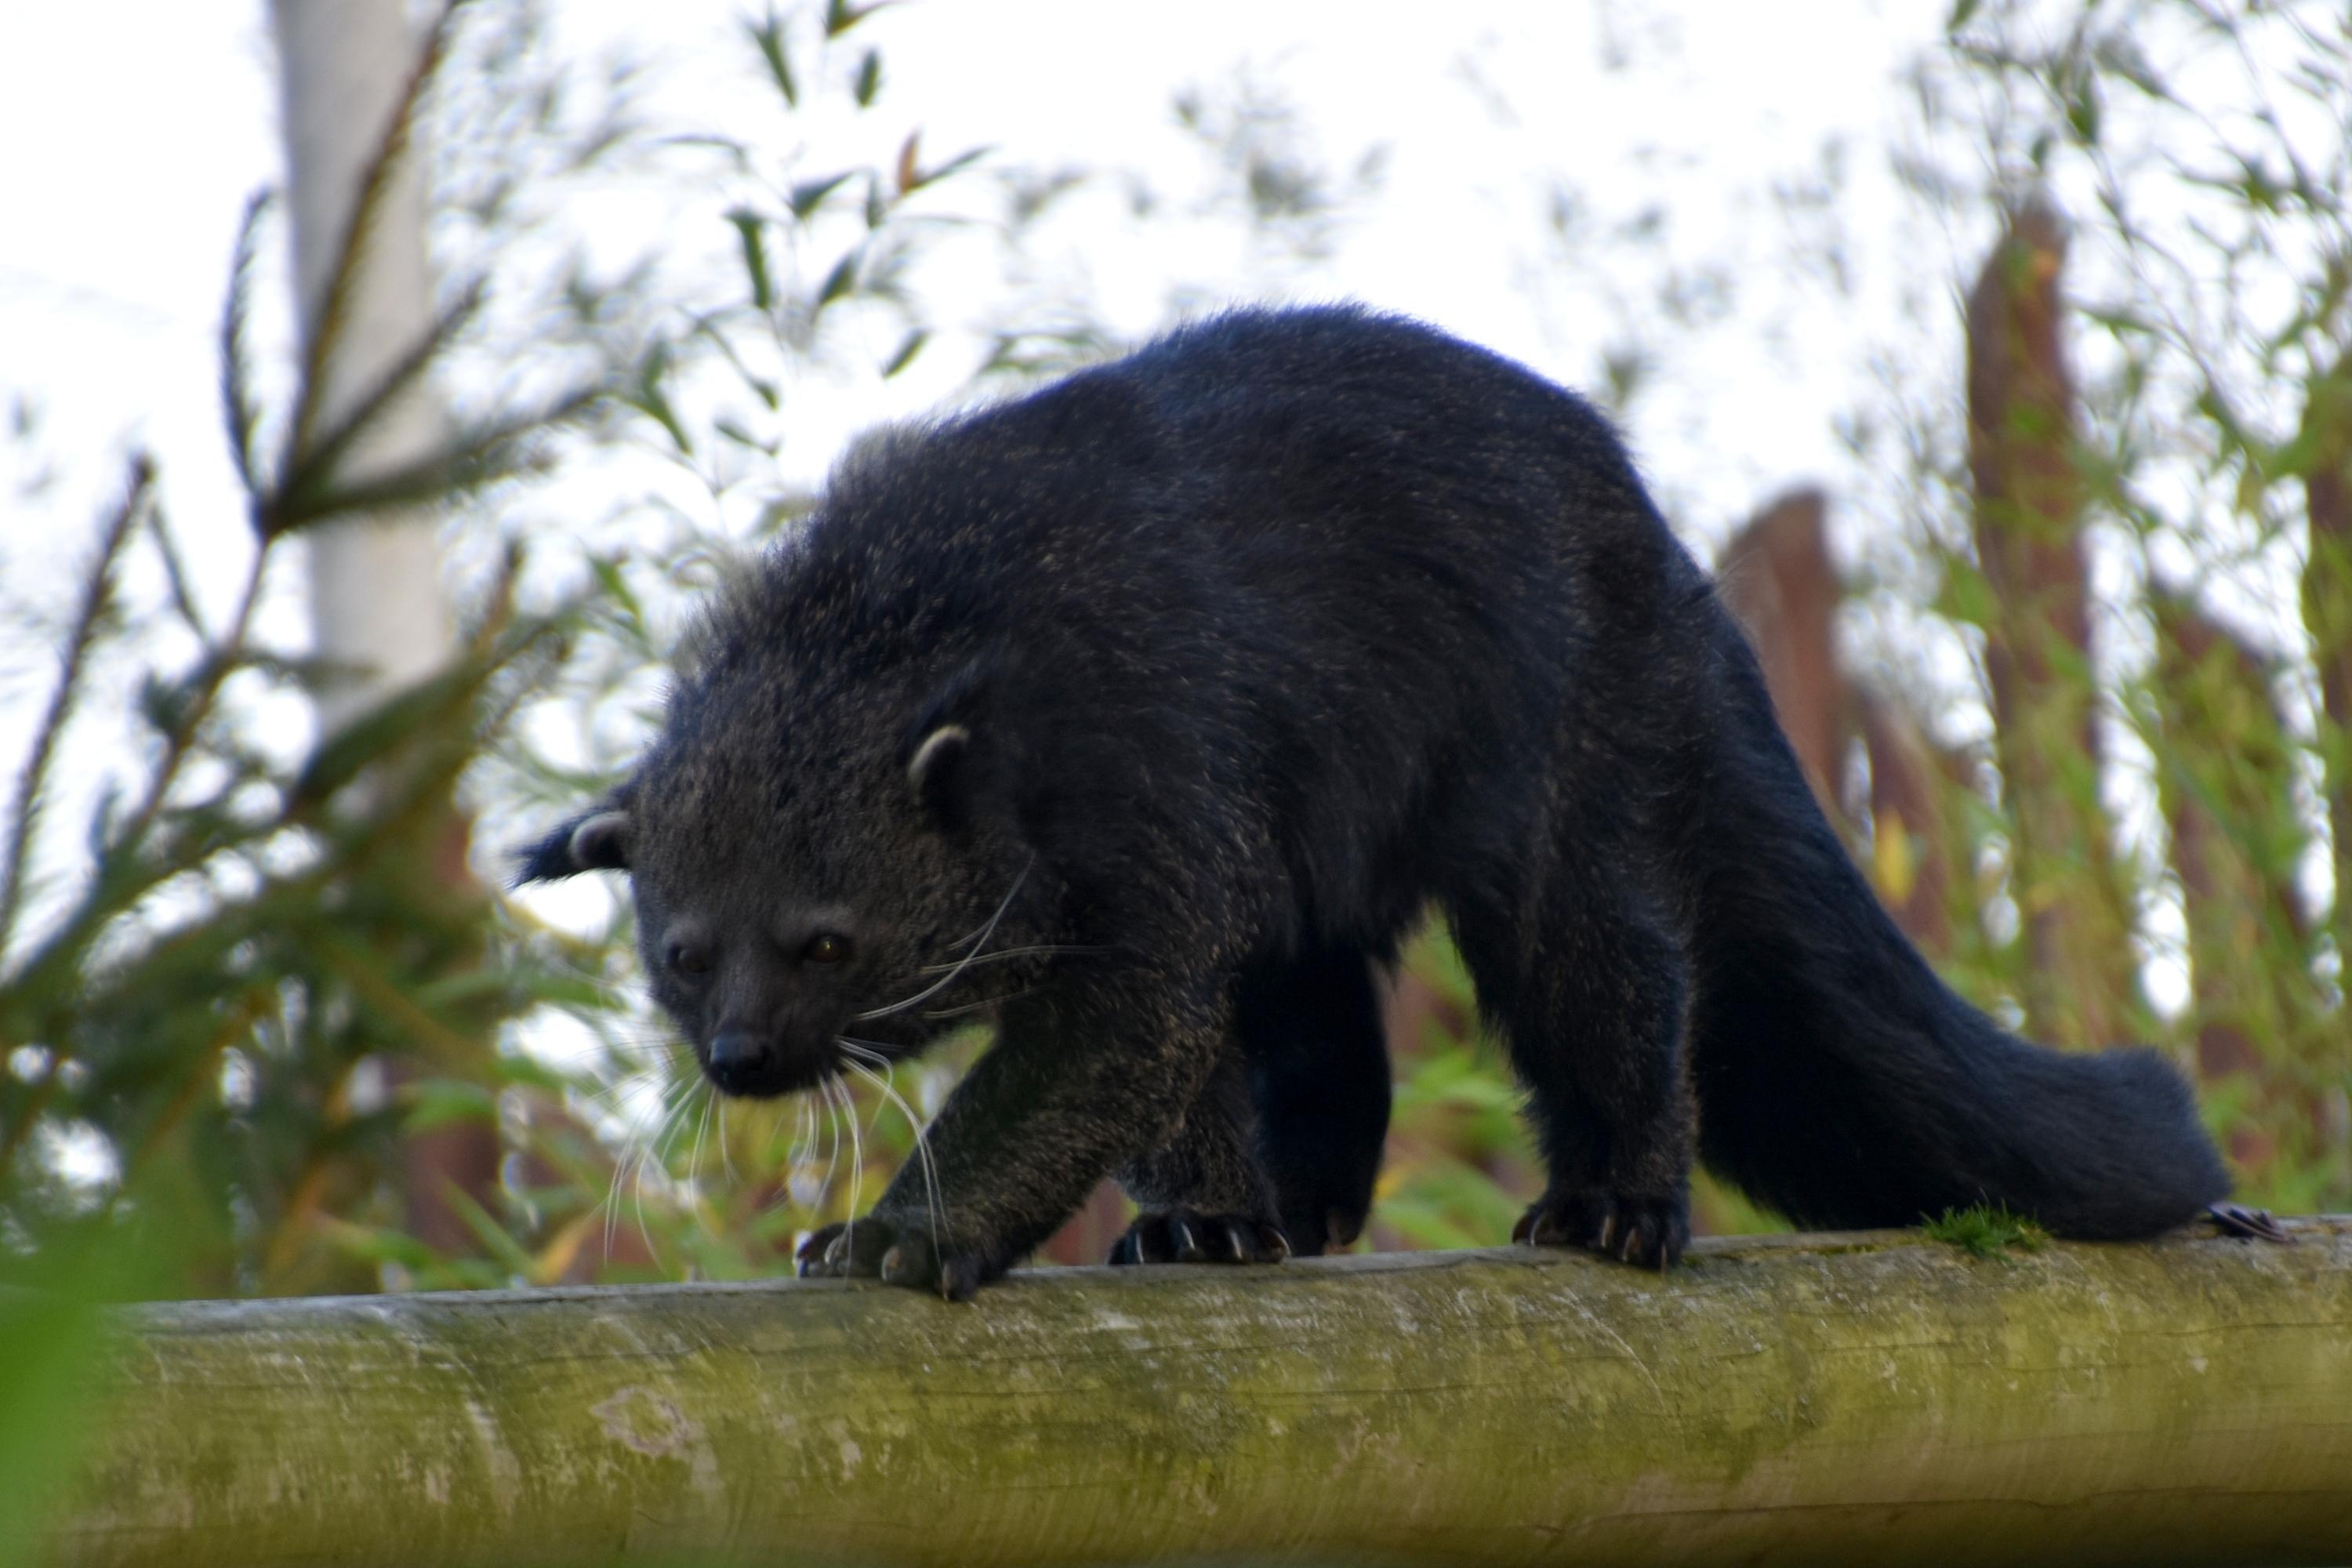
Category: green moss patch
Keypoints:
(1986, 1230)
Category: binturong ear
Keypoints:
(940, 771)
(597, 841)
(944, 746)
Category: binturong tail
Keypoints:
(1840, 1081)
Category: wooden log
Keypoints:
(1874, 1397)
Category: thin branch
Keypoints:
(236, 398)
(305, 490)
(220, 659)
(98, 594)
(483, 458)
(176, 574)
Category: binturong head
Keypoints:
(821, 874)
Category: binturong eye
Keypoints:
(688, 960)
(827, 948)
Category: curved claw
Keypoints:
(2249, 1225)
(1188, 1235)
(1648, 1231)
(904, 1254)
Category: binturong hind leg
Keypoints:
(1290, 1129)
(1204, 1198)
(1592, 999)
(1318, 1065)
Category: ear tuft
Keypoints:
(940, 749)
(954, 747)
(936, 773)
(596, 842)
(601, 843)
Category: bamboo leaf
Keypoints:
(768, 34)
(727, 426)
(647, 398)
(839, 281)
(805, 197)
(953, 166)
(911, 345)
(748, 233)
(555, 1260)
(840, 15)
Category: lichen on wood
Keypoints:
(1876, 1397)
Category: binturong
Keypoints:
(1148, 713)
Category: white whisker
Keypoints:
(657, 1155)
(1034, 948)
(856, 1173)
(693, 1165)
(886, 1082)
(981, 1006)
(949, 978)
(832, 1141)
(794, 1156)
(804, 1150)
(632, 1161)
(607, 1103)
(968, 938)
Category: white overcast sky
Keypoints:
(129, 140)
(132, 138)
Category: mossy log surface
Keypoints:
(1877, 1397)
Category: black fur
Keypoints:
(1240, 652)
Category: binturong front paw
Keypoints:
(1650, 1231)
(1189, 1235)
(899, 1252)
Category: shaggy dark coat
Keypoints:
(1150, 711)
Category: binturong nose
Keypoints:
(737, 1060)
